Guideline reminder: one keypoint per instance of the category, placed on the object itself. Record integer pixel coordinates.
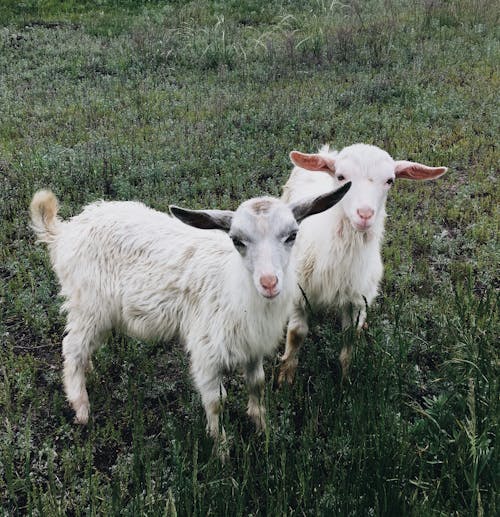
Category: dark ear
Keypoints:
(205, 219)
(417, 171)
(313, 162)
(303, 209)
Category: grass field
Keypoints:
(199, 104)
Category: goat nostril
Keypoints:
(268, 281)
(365, 213)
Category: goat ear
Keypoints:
(303, 209)
(205, 219)
(417, 171)
(313, 162)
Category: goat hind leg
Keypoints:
(77, 349)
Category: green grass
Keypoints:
(198, 104)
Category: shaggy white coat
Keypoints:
(124, 265)
(338, 251)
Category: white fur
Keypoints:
(338, 252)
(123, 265)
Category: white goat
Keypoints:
(338, 252)
(123, 265)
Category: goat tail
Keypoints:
(44, 220)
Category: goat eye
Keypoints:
(291, 238)
(341, 177)
(237, 242)
(390, 181)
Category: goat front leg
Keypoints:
(296, 333)
(350, 315)
(208, 381)
(255, 379)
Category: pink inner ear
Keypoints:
(312, 162)
(417, 171)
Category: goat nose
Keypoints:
(365, 212)
(268, 282)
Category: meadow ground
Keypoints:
(198, 104)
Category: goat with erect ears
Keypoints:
(227, 294)
(338, 251)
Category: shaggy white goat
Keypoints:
(123, 265)
(338, 252)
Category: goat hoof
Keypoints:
(287, 373)
(82, 414)
(221, 449)
(258, 417)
